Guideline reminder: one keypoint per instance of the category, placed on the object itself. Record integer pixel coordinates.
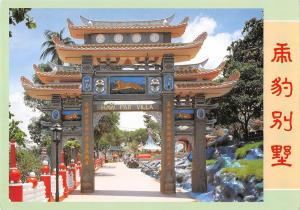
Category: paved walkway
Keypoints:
(114, 182)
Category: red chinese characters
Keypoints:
(281, 154)
(282, 53)
(277, 120)
(281, 121)
(278, 86)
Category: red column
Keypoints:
(63, 173)
(46, 178)
(15, 185)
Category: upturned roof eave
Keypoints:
(78, 32)
(181, 51)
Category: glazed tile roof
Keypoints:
(57, 75)
(44, 92)
(209, 89)
(196, 72)
(162, 25)
(146, 46)
(181, 51)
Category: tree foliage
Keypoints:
(71, 149)
(245, 101)
(28, 161)
(35, 127)
(106, 131)
(49, 46)
(15, 131)
(34, 103)
(18, 15)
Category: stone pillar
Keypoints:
(87, 179)
(167, 175)
(199, 176)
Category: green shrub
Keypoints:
(210, 162)
(249, 168)
(242, 151)
(28, 161)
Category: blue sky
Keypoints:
(223, 26)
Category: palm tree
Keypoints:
(49, 46)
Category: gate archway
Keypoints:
(132, 60)
(93, 102)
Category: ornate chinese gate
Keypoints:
(100, 85)
(132, 61)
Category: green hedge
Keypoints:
(210, 162)
(249, 168)
(242, 151)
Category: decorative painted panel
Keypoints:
(154, 85)
(200, 114)
(86, 83)
(100, 86)
(127, 85)
(168, 82)
(184, 114)
(71, 115)
(55, 115)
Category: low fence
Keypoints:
(43, 190)
(36, 194)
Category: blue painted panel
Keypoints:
(55, 115)
(127, 85)
(86, 83)
(168, 82)
(71, 115)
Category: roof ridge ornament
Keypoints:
(69, 22)
(200, 38)
(25, 81)
(36, 68)
(203, 63)
(90, 22)
(184, 21)
(56, 40)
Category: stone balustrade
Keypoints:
(36, 194)
(43, 190)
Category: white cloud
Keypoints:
(198, 26)
(22, 112)
(131, 120)
(215, 46)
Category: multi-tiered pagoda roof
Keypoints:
(181, 51)
(130, 43)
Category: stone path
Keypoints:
(114, 182)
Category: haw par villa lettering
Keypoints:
(128, 107)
